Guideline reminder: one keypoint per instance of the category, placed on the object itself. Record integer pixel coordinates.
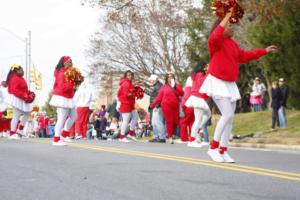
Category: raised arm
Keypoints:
(215, 38)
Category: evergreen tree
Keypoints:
(283, 31)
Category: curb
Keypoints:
(266, 146)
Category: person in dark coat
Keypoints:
(276, 103)
(112, 110)
(281, 112)
(156, 116)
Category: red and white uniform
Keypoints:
(225, 56)
(17, 93)
(62, 99)
(187, 121)
(126, 95)
(168, 98)
(63, 91)
(197, 99)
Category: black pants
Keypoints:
(275, 118)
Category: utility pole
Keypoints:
(26, 61)
(29, 56)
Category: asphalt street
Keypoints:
(34, 169)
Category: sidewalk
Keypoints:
(266, 146)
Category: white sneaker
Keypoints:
(66, 139)
(78, 137)
(123, 140)
(170, 141)
(179, 141)
(14, 137)
(59, 143)
(215, 155)
(132, 138)
(5, 134)
(205, 144)
(227, 158)
(194, 144)
(21, 133)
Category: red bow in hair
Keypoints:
(66, 59)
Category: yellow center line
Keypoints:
(234, 167)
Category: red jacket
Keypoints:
(187, 94)
(18, 86)
(225, 55)
(168, 97)
(198, 80)
(126, 92)
(61, 87)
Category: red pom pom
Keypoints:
(221, 7)
(138, 92)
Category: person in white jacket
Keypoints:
(83, 99)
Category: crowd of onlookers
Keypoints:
(105, 123)
(278, 101)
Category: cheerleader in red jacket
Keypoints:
(187, 121)
(62, 99)
(197, 101)
(225, 55)
(20, 99)
(126, 97)
(168, 97)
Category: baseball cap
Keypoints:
(153, 77)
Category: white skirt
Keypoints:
(196, 102)
(220, 89)
(18, 103)
(61, 102)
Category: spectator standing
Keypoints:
(156, 115)
(83, 99)
(276, 103)
(282, 110)
(257, 94)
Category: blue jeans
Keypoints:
(89, 133)
(158, 124)
(282, 117)
(257, 107)
(205, 132)
(51, 131)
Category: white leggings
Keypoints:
(126, 117)
(201, 117)
(65, 119)
(18, 115)
(224, 125)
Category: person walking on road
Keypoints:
(62, 99)
(220, 84)
(168, 97)
(20, 99)
(197, 101)
(126, 96)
